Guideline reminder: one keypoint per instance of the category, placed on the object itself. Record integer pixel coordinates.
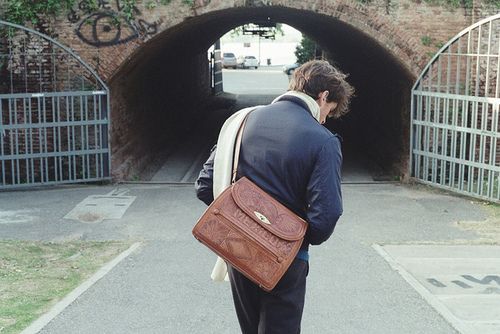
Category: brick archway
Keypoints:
(152, 62)
(157, 92)
(111, 58)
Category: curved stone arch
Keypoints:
(383, 59)
(378, 27)
(366, 20)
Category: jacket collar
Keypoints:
(303, 99)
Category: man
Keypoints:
(288, 153)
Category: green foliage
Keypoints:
(426, 40)
(23, 11)
(90, 5)
(430, 54)
(151, 4)
(306, 50)
(452, 3)
(496, 3)
(128, 9)
(439, 45)
(37, 11)
(447, 3)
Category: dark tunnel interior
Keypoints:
(161, 99)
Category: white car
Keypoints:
(248, 62)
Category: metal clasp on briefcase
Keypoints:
(262, 218)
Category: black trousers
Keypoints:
(276, 312)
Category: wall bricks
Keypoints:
(411, 30)
(398, 25)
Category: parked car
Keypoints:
(229, 60)
(247, 62)
(289, 69)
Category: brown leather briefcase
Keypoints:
(252, 231)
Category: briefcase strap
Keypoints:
(237, 147)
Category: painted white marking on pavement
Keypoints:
(41, 322)
(15, 216)
(118, 192)
(460, 282)
(434, 302)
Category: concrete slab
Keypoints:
(96, 208)
(461, 282)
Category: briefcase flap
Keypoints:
(268, 212)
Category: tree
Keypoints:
(306, 50)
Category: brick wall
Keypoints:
(399, 26)
(156, 65)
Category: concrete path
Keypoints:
(461, 282)
(164, 286)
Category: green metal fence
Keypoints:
(54, 113)
(455, 115)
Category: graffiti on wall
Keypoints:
(107, 25)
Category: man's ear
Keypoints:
(323, 95)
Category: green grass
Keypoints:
(36, 275)
(494, 210)
(488, 229)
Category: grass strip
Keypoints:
(34, 275)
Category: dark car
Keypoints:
(289, 69)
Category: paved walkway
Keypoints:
(461, 282)
(164, 286)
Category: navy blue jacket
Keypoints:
(293, 158)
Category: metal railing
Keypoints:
(54, 113)
(455, 115)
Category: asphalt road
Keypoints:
(264, 80)
(164, 287)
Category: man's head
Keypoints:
(325, 84)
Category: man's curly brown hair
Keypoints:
(316, 76)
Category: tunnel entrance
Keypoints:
(162, 104)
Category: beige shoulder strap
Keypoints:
(237, 147)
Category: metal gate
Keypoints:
(455, 115)
(54, 113)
